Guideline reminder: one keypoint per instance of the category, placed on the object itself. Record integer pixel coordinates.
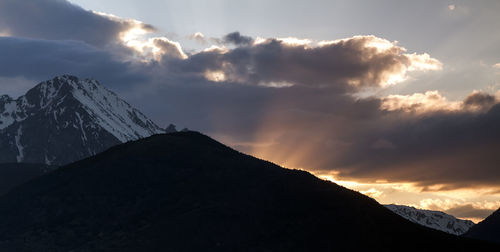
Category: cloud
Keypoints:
(439, 151)
(60, 20)
(198, 37)
(372, 192)
(237, 39)
(423, 62)
(429, 101)
(163, 47)
(479, 100)
(38, 60)
(15, 86)
(466, 210)
(433, 101)
(347, 64)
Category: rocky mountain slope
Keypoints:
(66, 119)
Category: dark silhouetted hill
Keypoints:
(488, 229)
(186, 192)
(15, 174)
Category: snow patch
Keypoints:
(20, 148)
(433, 219)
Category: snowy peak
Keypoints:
(432, 219)
(79, 113)
(105, 107)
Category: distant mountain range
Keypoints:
(433, 219)
(186, 192)
(67, 119)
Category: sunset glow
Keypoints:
(397, 100)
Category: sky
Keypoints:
(395, 99)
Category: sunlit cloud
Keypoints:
(415, 62)
(423, 62)
(432, 101)
(162, 46)
(279, 84)
(198, 37)
(369, 41)
(474, 210)
(291, 41)
(358, 61)
(444, 204)
(419, 102)
(137, 37)
(472, 204)
(259, 40)
(216, 49)
(372, 192)
(215, 76)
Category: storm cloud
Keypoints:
(60, 20)
(349, 64)
(237, 39)
(38, 60)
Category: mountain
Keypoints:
(432, 219)
(186, 192)
(14, 174)
(488, 229)
(63, 114)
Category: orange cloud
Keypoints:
(433, 101)
(419, 102)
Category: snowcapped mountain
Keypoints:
(66, 119)
(433, 219)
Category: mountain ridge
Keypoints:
(488, 229)
(67, 112)
(187, 192)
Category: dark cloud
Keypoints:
(479, 100)
(348, 64)
(237, 39)
(59, 20)
(456, 149)
(42, 59)
(469, 211)
(168, 48)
